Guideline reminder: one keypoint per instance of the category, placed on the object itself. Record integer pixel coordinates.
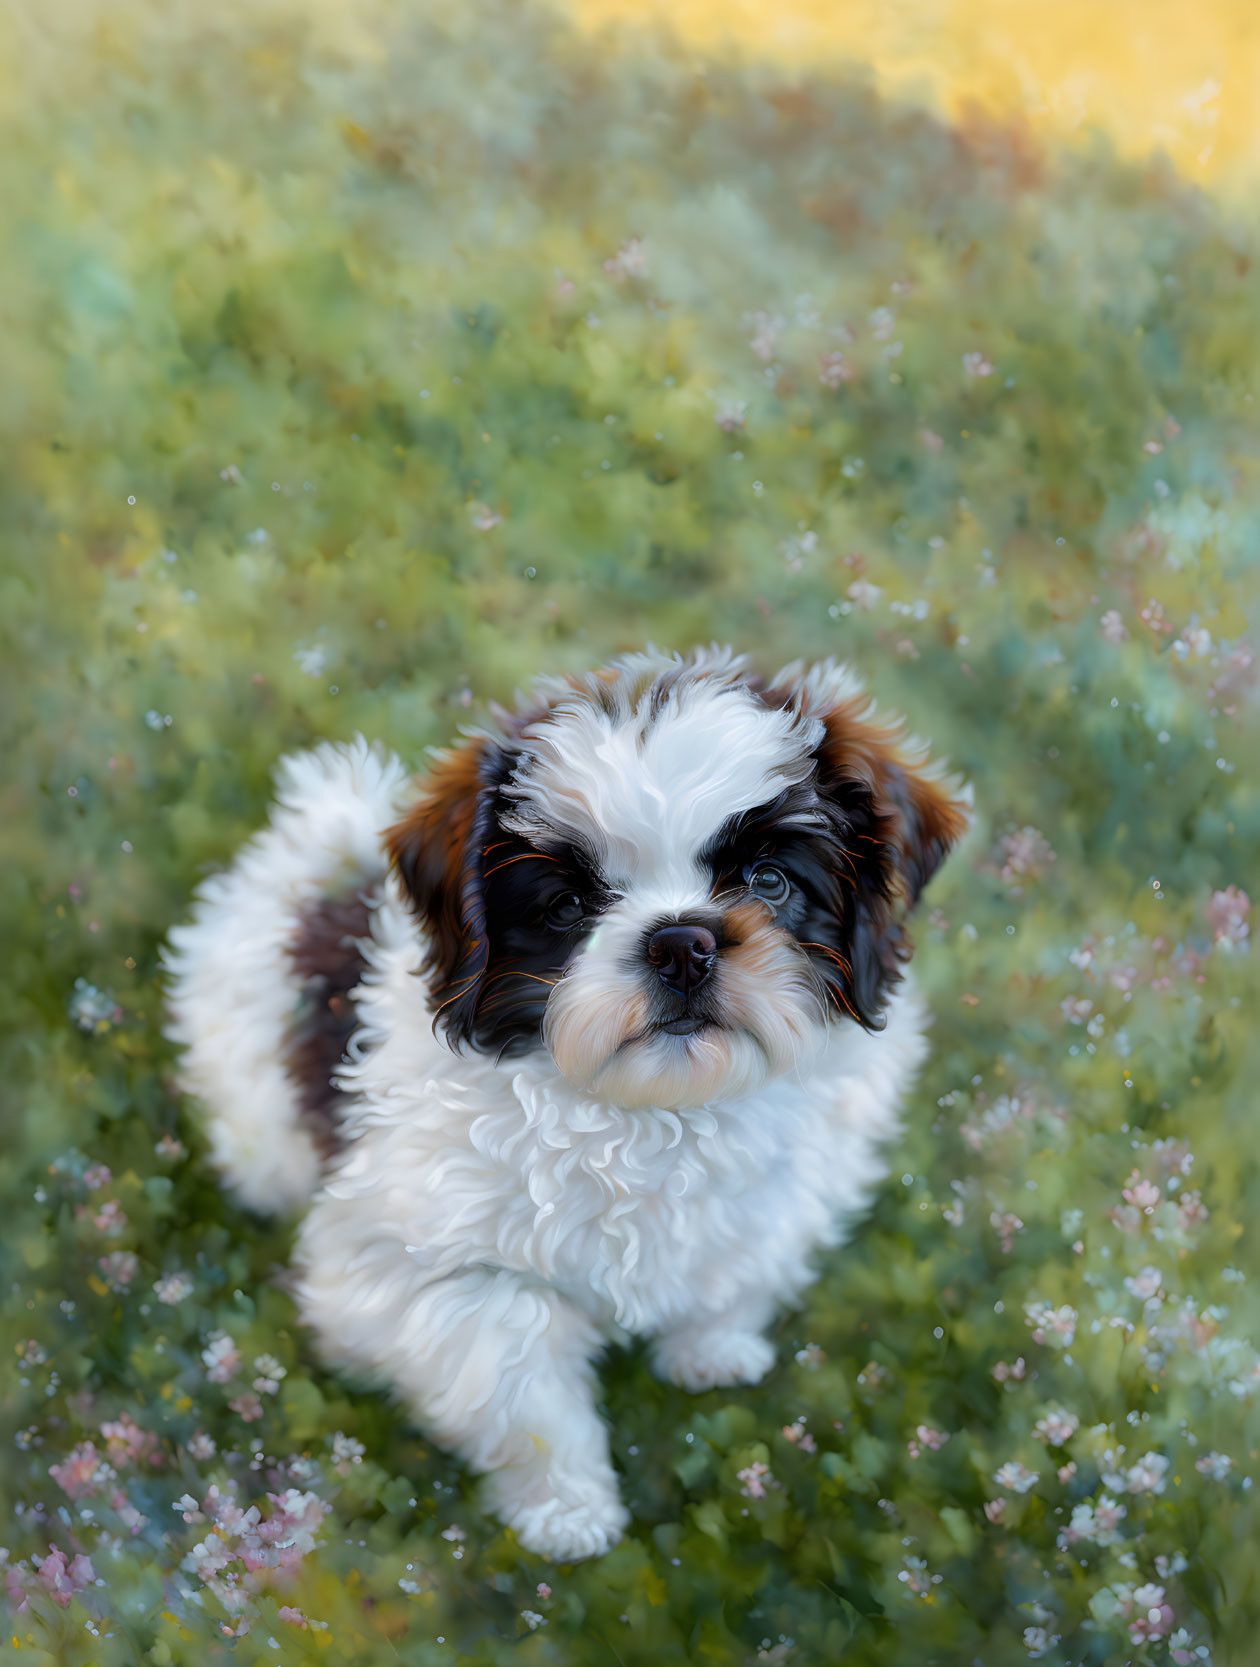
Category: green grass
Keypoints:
(348, 382)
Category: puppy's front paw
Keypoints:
(579, 1519)
(699, 1360)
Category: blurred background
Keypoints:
(363, 360)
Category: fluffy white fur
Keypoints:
(489, 1226)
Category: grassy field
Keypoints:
(353, 375)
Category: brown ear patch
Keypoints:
(921, 811)
(436, 853)
(328, 962)
(901, 815)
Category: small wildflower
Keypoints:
(1006, 1226)
(834, 369)
(346, 1451)
(1015, 1476)
(172, 1288)
(977, 364)
(755, 1478)
(482, 516)
(1227, 916)
(1145, 1284)
(270, 1373)
(630, 261)
(1147, 1475)
(1025, 854)
(1056, 1428)
(202, 1446)
(1216, 1465)
(1056, 1326)
(532, 1619)
(995, 1509)
(221, 1357)
(1113, 627)
(248, 1408)
(1141, 1193)
(119, 1268)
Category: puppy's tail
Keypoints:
(259, 981)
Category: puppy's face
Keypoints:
(674, 878)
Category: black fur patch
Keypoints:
(329, 965)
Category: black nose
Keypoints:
(683, 956)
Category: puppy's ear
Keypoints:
(438, 853)
(896, 814)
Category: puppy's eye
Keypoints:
(566, 912)
(769, 884)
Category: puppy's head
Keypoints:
(674, 877)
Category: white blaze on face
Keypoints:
(643, 794)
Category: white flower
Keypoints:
(863, 594)
(1215, 1465)
(1056, 1428)
(173, 1288)
(1145, 1284)
(1147, 1475)
(1015, 1476)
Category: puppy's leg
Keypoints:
(707, 1349)
(499, 1372)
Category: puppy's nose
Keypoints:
(683, 956)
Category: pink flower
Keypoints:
(977, 364)
(630, 261)
(97, 1175)
(1113, 626)
(221, 1357)
(1215, 1465)
(1153, 1618)
(82, 1470)
(63, 1579)
(120, 1267)
(127, 1442)
(1145, 1284)
(1147, 1475)
(834, 369)
(755, 1477)
(995, 1509)
(172, 1288)
(293, 1616)
(1025, 852)
(543, 1590)
(1056, 1429)
(110, 1218)
(1015, 1476)
(1065, 1472)
(1049, 1324)
(1006, 1226)
(248, 1408)
(765, 337)
(800, 1436)
(1192, 1212)
(1227, 916)
(1141, 1193)
(732, 416)
(1005, 1372)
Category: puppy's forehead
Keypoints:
(644, 787)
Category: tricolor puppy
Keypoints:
(597, 1029)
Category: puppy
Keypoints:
(597, 1030)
